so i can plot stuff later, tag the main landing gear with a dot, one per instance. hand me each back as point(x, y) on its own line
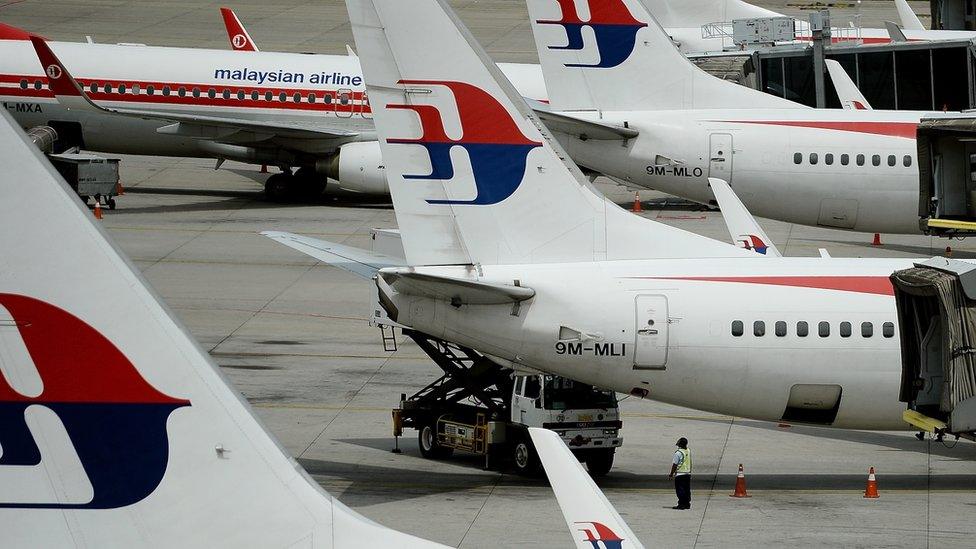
point(304, 186)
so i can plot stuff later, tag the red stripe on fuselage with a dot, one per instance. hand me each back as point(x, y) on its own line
point(892, 129)
point(879, 285)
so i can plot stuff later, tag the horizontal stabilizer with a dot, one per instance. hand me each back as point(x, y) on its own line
point(455, 290)
point(579, 128)
point(895, 32)
point(591, 518)
point(743, 228)
point(358, 261)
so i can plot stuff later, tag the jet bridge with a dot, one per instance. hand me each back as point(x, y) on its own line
point(936, 303)
point(947, 176)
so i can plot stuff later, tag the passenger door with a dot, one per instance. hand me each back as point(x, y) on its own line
point(720, 156)
point(651, 343)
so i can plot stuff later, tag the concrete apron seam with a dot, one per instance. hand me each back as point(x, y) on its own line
point(711, 489)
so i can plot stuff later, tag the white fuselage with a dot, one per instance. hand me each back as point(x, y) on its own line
point(259, 86)
point(696, 360)
point(844, 169)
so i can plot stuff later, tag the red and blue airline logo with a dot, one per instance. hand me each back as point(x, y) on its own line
point(614, 29)
point(114, 419)
point(752, 242)
point(496, 147)
point(601, 536)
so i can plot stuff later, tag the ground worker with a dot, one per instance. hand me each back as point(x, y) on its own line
point(681, 473)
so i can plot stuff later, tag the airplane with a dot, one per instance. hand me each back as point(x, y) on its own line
point(126, 434)
point(684, 21)
point(848, 169)
point(508, 250)
point(295, 111)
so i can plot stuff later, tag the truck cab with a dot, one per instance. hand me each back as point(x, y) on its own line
point(586, 418)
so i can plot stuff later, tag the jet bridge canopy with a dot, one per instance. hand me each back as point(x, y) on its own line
point(936, 303)
point(947, 175)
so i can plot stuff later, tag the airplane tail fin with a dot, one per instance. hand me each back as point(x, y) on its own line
point(909, 21)
point(591, 518)
point(850, 96)
point(475, 176)
point(117, 429)
point(618, 58)
point(10, 32)
point(240, 40)
point(695, 13)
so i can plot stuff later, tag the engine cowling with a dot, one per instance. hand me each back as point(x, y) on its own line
point(359, 168)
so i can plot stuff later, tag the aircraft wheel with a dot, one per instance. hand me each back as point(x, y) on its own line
point(308, 184)
point(429, 448)
point(599, 462)
point(277, 187)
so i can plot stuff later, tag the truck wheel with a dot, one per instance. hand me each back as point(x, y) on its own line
point(599, 462)
point(524, 458)
point(429, 448)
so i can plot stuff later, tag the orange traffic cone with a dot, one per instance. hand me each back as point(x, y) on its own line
point(637, 204)
point(872, 488)
point(740, 485)
point(948, 251)
point(877, 240)
point(119, 189)
point(98, 209)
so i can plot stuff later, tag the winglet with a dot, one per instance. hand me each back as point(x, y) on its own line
point(909, 21)
point(240, 40)
point(65, 88)
point(743, 228)
point(590, 517)
point(850, 97)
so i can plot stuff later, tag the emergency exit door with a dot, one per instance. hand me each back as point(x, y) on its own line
point(720, 156)
point(651, 344)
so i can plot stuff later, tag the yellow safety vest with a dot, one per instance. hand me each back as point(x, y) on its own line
point(685, 465)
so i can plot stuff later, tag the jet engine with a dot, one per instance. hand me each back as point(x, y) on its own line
point(358, 167)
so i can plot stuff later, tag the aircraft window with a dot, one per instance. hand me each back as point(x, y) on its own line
point(797, 158)
point(108, 88)
point(892, 160)
point(860, 160)
point(165, 90)
point(181, 92)
point(92, 88)
point(888, 329)
point(121, 88)
point(802, 328)
point(813, 158)
point(282, 96)
point(23, 84)
point(907, 161)
point(296, 97)
point(759, 328)
point(824, 329)
point(328, 100)
point(867, 329)
point(875, 159)
point(254, 95)
point(311, 98)
point(211, 93)
point(828, 159)
point(845, 329)
point(268, 96)
point(38, 85)
point(225, 94)
point(344, 98)
point(780, 328)
point(150, 90)
point(845, 159)
point(196, 92)
point(135, 89)
point(737, 328)
point(240, 95)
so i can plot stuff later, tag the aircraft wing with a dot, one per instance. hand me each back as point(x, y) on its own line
point(744, 229)
point(850, 97)
point(469, 292)
point(577, 127)
point(70, 94)
point(358, 261)
point(590, 517)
